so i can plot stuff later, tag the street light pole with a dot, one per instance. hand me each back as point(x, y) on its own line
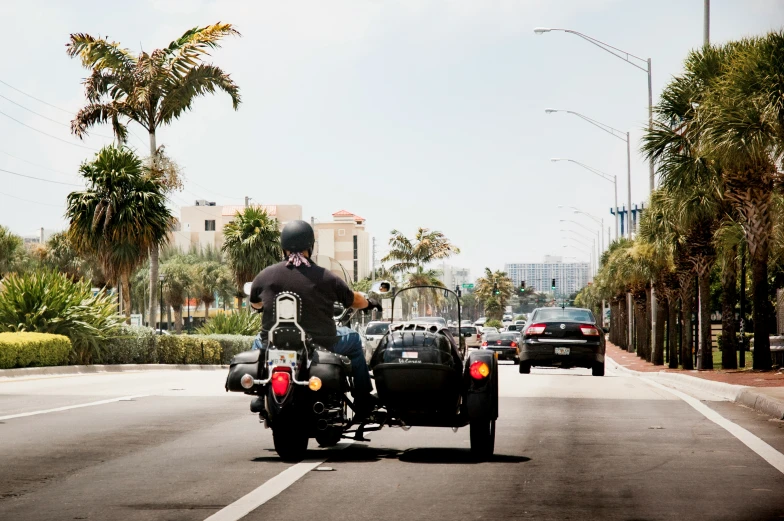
point(623, 136)
point(627, 57)
point(161, 278)
point(607, 177)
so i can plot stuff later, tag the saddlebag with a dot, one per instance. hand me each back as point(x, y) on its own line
point(242, 364)
point(416, 373)
point(331, 368)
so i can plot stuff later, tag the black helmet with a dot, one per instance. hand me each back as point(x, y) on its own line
point(297, 236)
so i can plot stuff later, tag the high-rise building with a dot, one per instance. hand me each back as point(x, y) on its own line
point(453, 276)
point(570, 277)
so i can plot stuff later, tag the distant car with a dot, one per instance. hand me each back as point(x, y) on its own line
point(563, 337)
point(472, 335)
point(487, 330)
point(480, 321)
point(519, 322)
point(514, 327)
point(506, 345)
point(440, 321)
point(373, 333)
point(466, 323)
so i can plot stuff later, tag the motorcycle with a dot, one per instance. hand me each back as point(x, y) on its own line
point(422, 377)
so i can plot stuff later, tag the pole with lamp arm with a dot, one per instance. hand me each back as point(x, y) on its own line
point(644, 64)
point(607, 177)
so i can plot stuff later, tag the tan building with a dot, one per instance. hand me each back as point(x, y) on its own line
point(202, 225)
point(346, 241)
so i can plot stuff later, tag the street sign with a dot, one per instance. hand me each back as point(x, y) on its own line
point(467, 286)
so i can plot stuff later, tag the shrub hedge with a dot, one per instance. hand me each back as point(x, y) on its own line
point(232, 344)
point(188, 349)
point(33, 349)
point(132, 345)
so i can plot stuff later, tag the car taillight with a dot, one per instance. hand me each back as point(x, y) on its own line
point(479, 336)
point(479, 370)
point(484, 344)
point(535, 329)
point(513, 344)
point(280, 381)
point(589, 331)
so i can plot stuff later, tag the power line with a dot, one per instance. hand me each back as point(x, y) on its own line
point(36, 164)
point(45, 134)
point(30, 201)
point(212, 193)
point(33, 97)
point(40, 178)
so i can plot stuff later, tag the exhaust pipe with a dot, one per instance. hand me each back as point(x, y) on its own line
point(318, 407)
point(322, 424)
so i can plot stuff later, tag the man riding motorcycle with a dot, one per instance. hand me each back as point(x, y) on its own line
point(319, 290)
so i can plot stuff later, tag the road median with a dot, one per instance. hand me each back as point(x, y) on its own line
point(65, 370)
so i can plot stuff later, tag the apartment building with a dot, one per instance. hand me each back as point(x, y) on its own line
point(453, 276)
point(346, 242)
point(201, 225)
point(570, 277)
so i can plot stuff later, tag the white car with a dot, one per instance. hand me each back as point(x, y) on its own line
point(373, 333)
point(486, 330)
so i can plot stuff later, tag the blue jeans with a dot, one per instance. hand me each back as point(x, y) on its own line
point(350, 345)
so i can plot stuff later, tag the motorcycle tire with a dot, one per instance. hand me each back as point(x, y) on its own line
point(329, 437)
point(291, 441)
point(482, 439)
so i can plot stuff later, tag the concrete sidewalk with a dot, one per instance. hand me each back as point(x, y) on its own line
point(93, 369)
point(767, 400)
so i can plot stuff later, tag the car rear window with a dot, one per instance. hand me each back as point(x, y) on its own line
point(377, 329)
point(467, 330)
point(509, 336)
point(572, 315)
point(492, 336)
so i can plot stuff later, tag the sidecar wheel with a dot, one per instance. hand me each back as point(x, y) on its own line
point(482, 439)
point(291, 443)
point(329, 437)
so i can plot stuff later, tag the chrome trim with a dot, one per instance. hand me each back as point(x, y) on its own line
point(560, 341)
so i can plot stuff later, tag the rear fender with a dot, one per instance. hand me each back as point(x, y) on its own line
point(332, 369)
point(482, 395)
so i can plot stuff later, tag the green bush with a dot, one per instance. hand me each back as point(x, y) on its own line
point(188, 349)
point(241, 323)
point(50, 302)
point(36, 349)
point(132, 345)
point(494, 323)
point(232, 344)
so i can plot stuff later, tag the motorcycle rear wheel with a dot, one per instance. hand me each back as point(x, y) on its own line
point(291, 442)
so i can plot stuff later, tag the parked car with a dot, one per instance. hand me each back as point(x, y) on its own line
point(373, 333)
point(506, 345)
point(563, 337)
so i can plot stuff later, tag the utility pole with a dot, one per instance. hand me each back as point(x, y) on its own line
point(247, 199)
point(706, 24)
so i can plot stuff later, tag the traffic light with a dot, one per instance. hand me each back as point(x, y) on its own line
point(495, 289)
point(522, 287)
point(553, 285)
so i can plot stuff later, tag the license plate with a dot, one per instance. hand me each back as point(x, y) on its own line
point(562, 350)
point(277, 357)
point(410, 354)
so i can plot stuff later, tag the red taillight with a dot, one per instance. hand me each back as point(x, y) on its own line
point(535, 329)
point(479, 336)
point(513, 344)
point(589, 331)
point(280, 381)
point(484, 344)
point(479, 370)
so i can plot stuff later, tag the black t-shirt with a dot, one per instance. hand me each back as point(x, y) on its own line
point(318, 290)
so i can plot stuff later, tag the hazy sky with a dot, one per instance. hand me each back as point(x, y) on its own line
point(409, 113)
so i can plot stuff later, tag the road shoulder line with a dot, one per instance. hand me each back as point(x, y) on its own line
point(756, 444)
point(270, 488)
point(69, 407)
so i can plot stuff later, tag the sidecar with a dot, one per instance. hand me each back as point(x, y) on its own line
point(423, 379)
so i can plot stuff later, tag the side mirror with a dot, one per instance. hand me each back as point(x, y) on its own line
point(381, 287)
point(246, 288)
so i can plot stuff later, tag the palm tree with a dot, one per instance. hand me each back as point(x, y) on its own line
point(10, 247)
point(151, 89)
point(210, 277)
point(427, 247)
point(494, 289)
point(251, 242)
point(119, 215)
point(178, 280)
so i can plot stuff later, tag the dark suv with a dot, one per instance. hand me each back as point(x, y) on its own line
point(563, 337)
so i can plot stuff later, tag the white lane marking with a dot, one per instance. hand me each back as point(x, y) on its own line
point(271, 488)
point(69, 407)
point(762, 449)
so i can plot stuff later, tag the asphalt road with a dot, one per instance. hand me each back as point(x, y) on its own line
point(172, 445)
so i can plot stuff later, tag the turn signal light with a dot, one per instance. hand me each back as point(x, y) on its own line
point(535, 329)
point(514, 344)
point(589, 331)
point(314, 384)
point(484, 344)
point(246, 381)
point(280, 383)
point(479, 370)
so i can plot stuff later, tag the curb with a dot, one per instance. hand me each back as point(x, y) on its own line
point(96, 369)
point(740, 394)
